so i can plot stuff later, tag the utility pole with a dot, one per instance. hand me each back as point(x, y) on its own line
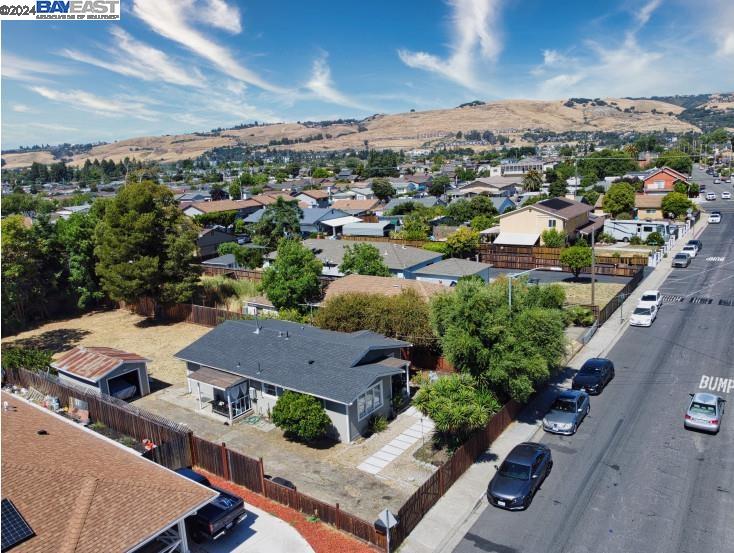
point(593, 267)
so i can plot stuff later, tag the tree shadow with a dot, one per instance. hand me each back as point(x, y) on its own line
point(541, 401)
point(53, 340)
point(153, 323)
point(323, 443)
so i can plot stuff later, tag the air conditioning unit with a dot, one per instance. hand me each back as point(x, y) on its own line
point(253, 394)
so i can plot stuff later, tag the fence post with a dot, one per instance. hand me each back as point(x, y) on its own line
point(261, 467)
point(440, 481)
point(192, 449)
point(337, 516)
point(225, 461)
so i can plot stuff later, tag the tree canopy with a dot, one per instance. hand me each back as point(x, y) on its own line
point(675, 159)
point(300, 416)
point(577, 258)
point(281, 219)
point(382, 189)
point(620, 198)
point(292, 280)
point(676, 203)
point(464, 242)
point(363, 259)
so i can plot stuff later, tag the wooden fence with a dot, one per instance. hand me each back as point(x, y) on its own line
point(426, 360)
point(237, 274)
point(531, 257)
point(606, 312)
point(170, 437)
point(414, 243)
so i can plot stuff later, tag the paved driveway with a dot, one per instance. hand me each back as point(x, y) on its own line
point(261, 532)
point(632, 478)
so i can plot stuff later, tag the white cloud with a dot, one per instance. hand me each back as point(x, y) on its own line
point(133, 58)
point(643, 14)
point(168, 18)
point(322, 87)
point(27, 70)
point(223, 16)
point(21, 108)
point(475, 28)
point(105, 106)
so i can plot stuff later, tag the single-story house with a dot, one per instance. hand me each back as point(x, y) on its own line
point(524, 226)
point(107, 370)
point(243, 366)
point(381, 228)
point(649, 206)
point(314, 198)
point(242, 207)
point(363, 194)
point(401, 260)
point(386, 286)
point(488, 186)
point(68, 211)
point(502, 203)
point(344, 195)
point(525, 165)
point(227, 261)
point(356, 207)
point(193, 196)
point(259, 306)
point(426, 201)
point(68, 488)
point(337, 225)
point(209, 240)
point(448, 271)
point(313, 219)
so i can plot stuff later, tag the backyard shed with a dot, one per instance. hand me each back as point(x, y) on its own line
point(108, 370)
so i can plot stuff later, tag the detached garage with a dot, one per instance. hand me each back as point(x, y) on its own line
point(110, 371)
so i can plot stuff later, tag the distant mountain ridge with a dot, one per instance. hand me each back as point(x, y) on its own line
point(419, 129)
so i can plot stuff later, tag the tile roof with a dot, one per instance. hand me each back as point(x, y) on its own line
point(453, 267)
point(316, 194)
point(93, 363)
point(82, 493)
point(396, 257)
point(355, 205)
point(322, 363)
point(224, 205)
point(387, 286)
point(649, 201)
point(271, 197)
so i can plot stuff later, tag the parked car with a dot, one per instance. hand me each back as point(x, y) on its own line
point(715, 218)
point(704, 412)
point(651, 297)
point(643, 315)
point(690, 250)
point(726, 195)
point(717, 181)
point(710, 196)
point(681, 260)
point(593, 376)
point(519, 476)
point(567, 412)
point(697, 243)
point(217, 517)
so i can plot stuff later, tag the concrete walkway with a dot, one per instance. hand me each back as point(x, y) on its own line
point(450, 519)
point(418, 430)
point(262, 533)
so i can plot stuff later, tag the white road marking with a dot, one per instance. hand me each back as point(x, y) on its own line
point(714, 259)
point(716, 384)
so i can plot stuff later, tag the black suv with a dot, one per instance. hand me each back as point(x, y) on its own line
point(519, 477)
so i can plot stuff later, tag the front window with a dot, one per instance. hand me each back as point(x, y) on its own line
point(370, 401)
point(641, 311)
point(515, 470)
point(269, 390)
point(552, 223)
point(565, 406)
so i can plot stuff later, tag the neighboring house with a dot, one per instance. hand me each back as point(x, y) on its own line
point(246, 365)
point(226, 261)
point(345, 174)
point(363, 194)
point(385, 286)
point(242, 207)
point(192, 197)
point(502, 203)
point(448, 271)
point(525, 165)
point(259, 306)
point(662, 181)
point(403, 187)
point(107, 370)
point(487, 186)
point(381, 228)
point(427, 201)
point(209, 240)
point(344, 195)
point(402, 261)
point(649, 206)
point(356, 207)
point(314, 198)
point(66, 212)
point(79, 491)
point(524, 226)
point(313, 219)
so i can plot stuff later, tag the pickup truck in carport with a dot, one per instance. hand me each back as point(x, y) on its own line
point(217, 517)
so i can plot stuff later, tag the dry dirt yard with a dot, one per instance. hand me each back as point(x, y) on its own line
point(123, 330)
point(580, 292)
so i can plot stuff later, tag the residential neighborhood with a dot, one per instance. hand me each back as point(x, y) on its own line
point(273, 283)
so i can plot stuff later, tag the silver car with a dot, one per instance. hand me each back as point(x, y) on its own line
point(704, 412)
point(567, 412)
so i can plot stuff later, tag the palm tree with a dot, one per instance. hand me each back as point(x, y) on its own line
point(532, 181)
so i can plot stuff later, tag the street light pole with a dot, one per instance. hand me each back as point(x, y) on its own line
point(593, 267)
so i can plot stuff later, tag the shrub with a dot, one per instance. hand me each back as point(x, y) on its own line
point(438, 247)
point(553, 238)
point(606, 238)
point(579, 316)
point(577, 258)
point(31, 359)
point(655, 239)
point(636, 241)
point(378, 423)
point(300, 416)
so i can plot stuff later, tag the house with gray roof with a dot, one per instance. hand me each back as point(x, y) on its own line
point(312, 219)
point(243, 366)
point(402, 261)
point(426, 201)
point(449, 271)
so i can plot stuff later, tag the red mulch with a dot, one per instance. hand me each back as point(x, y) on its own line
point(322, 537)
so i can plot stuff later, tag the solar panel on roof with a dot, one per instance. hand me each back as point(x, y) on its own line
point(14, 527)
point(556, 203)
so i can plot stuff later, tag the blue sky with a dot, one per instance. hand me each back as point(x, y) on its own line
point(174, 66)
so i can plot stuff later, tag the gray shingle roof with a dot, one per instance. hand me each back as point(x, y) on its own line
point(427, 201)
point(318, 362)
point(396, 257)
point(453, 267)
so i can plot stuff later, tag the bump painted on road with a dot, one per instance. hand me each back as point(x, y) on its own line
point(714, 259)
point(672, 298)
point(716, 384)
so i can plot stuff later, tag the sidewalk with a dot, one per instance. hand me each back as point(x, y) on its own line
point(450, 519)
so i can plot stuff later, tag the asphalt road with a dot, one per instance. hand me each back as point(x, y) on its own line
point(633, 479)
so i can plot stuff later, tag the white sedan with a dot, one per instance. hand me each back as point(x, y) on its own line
point(726, 195)
point(690, 249)
point(643, 315)
point(714, 218)
point(651, 297)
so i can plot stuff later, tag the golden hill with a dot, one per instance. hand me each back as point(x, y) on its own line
point(402, 130)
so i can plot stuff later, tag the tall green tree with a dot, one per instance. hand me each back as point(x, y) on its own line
point(532, 181)
point(577, 258)
point(620, 198)
point(382, 189)
point(676, 203)
point(235, 190)
point(439, 185)
point(292, 280)
point(464, 242)
point(675, 159)
point(145, 246)
point(363, 259)
point(281, 219)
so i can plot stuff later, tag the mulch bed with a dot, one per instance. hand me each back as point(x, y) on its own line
point(322, 537)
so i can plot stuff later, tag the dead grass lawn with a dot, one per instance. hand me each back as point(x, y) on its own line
point(580, 292)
